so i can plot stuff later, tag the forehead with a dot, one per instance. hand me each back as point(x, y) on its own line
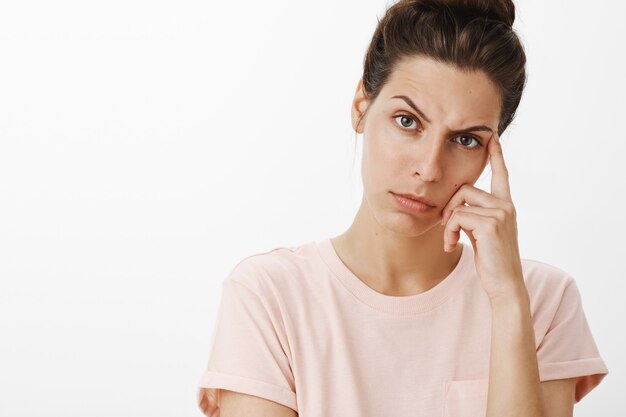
point(442, 90)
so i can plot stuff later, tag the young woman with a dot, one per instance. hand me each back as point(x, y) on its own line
point(396, 317)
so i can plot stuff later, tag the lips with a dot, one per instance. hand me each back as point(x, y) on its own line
point(416, 198)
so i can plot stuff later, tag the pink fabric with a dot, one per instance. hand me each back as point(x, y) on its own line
point(297, 327)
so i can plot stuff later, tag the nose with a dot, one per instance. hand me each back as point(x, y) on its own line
point(429, 161)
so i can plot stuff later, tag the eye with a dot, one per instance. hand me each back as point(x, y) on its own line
point(406, 119)
point(478, 143)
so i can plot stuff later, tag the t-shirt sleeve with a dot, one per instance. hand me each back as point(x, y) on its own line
point(248, 351)
point(568, 349)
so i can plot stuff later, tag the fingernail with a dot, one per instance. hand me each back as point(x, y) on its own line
point(497, 137)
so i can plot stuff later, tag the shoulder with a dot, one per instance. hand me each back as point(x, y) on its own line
point(542, 276)
point(548, 286)
point(267, 272)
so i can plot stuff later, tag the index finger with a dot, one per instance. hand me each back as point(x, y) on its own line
point(499, 173)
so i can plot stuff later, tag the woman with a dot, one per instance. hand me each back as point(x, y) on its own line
point(396, 316)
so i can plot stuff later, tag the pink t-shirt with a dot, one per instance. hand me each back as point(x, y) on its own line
point(297, 327)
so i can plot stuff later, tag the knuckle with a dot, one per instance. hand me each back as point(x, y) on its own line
point(491, 224)
point(509, 209)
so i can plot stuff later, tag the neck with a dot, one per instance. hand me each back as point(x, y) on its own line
point(393, 263)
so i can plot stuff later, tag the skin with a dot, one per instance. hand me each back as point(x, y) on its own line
point(393, 251)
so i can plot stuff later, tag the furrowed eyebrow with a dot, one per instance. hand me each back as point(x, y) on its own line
point(423, 116)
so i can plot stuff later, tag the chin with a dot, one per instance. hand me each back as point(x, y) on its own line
point(404, 224)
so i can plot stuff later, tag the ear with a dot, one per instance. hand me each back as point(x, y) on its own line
point(359, 105)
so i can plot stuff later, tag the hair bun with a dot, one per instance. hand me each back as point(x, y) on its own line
point(501, 10)
point(498, 10)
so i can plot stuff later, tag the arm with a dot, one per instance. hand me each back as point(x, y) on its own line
point(234, 404)
point(514, 386)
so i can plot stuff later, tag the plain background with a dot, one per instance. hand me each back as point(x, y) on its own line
point(146, 147)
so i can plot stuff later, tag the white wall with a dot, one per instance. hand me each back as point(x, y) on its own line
point(146, 146)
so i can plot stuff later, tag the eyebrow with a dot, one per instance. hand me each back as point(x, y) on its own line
point(423, 116)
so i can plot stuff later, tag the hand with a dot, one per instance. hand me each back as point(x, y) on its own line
point(490, 223)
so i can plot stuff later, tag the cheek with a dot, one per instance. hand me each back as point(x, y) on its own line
point(380, 148)
point(380, 165)
point(390, 149)
point(475, 171)
point(464, 174)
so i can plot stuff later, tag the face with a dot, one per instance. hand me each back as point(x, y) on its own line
point(429, 154)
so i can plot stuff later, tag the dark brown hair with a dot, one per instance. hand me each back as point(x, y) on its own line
point(467, 34)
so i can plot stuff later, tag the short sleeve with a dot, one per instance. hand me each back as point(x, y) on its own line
point(568, 349)
point(248, 351)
